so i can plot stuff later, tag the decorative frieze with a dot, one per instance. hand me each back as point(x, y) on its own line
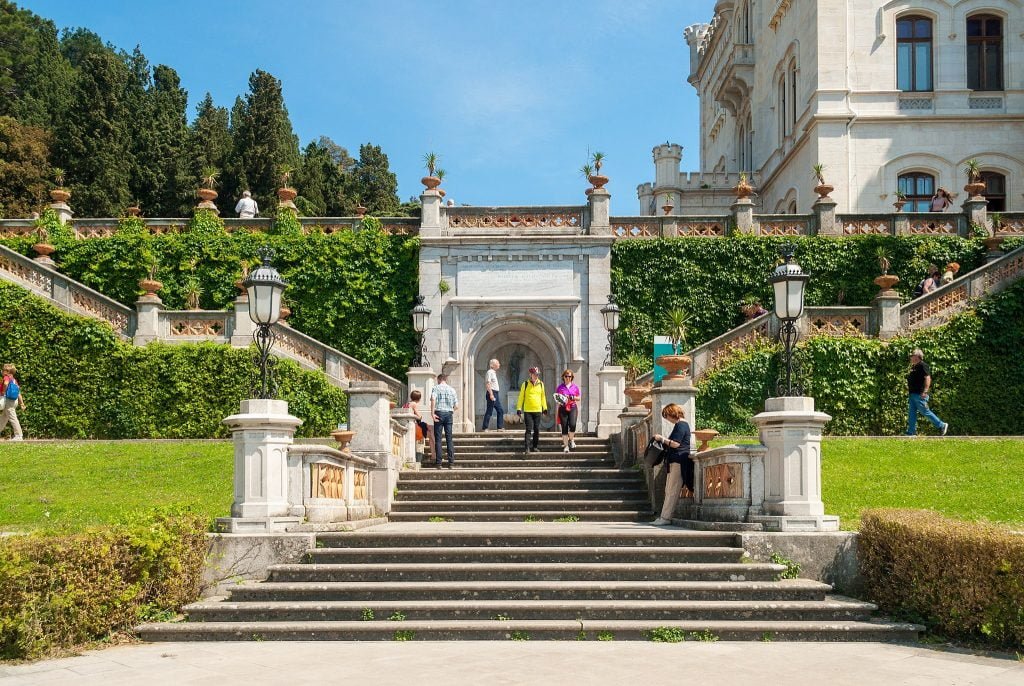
point(991, 103)
point(359, 483)
point(525, 219)
point(641, 228)
point(710, 229)
point(931, 227)
point(839, 325)
point(867, 227)
point(783, 228)
point(916, 103)
point(287, 340)
point(204, 327)
point(327, 481)
point(779, 14)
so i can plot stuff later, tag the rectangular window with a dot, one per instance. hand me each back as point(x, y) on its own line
point(985, 53)
point(914, 54)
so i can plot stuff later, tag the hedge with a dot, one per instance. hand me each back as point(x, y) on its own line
point(977, 378)
point(961, 579)
point(63, 590)
point(81, 381)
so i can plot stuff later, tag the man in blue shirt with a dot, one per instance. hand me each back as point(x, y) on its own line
point(443, 402)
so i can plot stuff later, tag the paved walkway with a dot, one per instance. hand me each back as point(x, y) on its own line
point(494, 664)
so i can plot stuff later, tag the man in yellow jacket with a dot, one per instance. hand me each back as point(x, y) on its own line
point(533, 402)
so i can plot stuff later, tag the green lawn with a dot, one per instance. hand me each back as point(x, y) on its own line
point(78, 483)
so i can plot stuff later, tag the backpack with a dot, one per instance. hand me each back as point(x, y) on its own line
point(13, 390)
point(919, 289)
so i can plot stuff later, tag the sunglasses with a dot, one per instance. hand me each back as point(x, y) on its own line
point(567, 376)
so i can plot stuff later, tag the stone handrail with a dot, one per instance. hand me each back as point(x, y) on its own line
point(866, 224)
point(935, 223)
point(938, 306)
point(85, 228)
point(840, 321)
point(570, 219)
point(784, 224)
point(67, 294)
point(196, 325)
point(1011, 223)
point(328, 485)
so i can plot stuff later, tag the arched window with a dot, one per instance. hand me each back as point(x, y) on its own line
point(783, 115)
point(918, 187)
point(914, 53)
point(985, 53)
point(792, 96)
point(995, 190)
point(792, 207)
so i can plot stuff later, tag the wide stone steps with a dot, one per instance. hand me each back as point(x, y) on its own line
point(568, 494)
point(515, 554)
point(483, 483)
point(533, 461)
point(546, 535)
point(579, 514)
point(523, 475)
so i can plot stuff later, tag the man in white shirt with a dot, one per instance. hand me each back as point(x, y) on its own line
point(247, 207)
point(493, 396)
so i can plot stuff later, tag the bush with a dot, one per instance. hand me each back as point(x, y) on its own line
point(81, 381)
point(63, 590)
point(962, 579)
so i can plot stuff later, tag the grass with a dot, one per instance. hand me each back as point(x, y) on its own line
point(73, 484)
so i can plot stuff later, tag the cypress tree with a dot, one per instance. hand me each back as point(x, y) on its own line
point(162, 182)
point(374, 183)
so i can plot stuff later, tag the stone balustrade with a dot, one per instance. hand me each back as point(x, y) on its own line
point(86, 228)
point(569, 219)
point(328, 485)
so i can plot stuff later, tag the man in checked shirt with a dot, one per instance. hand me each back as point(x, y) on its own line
point(443, 402)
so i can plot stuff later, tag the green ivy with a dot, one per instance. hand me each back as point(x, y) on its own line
point(81, 381)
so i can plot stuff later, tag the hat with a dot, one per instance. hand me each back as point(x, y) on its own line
point(534, 370)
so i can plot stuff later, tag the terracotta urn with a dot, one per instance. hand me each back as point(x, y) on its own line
point(60, 195)
point(994, 242)
point(705, 436)
point(743, 190)
point(431, 182)
point(886, 282)
point(648, 403)
point(675, 365)
point(392, 404)
point(599, 180)
point(343, 437)
point(207, 194)
point(284, 314)
point(43, 249)
point(442, 192)
point(636, 394)
point(667, 209)
point(975, 188)
point(899, 205)
point(151, 286)
point(588, 191)
point(133, 211)
point(360, 211)
point(287, 194)
point(750, 311)
point(242, 293)
point(823, 189)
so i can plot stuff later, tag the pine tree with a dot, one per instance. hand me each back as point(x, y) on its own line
point(374, 183)
point(24, 168)
point(162, 181)
point(322, 180)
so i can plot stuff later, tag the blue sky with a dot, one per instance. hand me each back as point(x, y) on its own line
point(510, 95)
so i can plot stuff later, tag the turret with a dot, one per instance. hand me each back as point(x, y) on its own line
point(694, 35)
point(667, 157)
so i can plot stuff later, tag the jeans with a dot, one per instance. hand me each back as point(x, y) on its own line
point(494, 406)
point(532, 422)
point(444, 421)
point(919, 404)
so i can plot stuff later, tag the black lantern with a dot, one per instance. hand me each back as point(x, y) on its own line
point(610, 312)
point(420, 316)
point(789, 282)
point(264, 287)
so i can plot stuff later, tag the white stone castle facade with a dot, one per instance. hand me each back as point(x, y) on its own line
point(887, 94)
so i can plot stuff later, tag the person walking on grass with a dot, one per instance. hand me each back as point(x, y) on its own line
point(568, 396)
point(919, 383)
point(677, 461)
point(493, 396)
point(532, 402)
point(443, 402)
point(11, 399)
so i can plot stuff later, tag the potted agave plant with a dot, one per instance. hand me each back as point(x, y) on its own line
point(667, 207)
point(822, 189)
point(676, 364)
point(430, 181)
point(42, 248)
point(975, 187)
point(994, 241)
point(286, 194)
point(635, 364)
point(149, 284)
point(59, 194)
point(441, 173)
point(206, 190)
point(886, 281)
point(193, 293)
point(743, 189)
point(597, 178)
point(901, 200)
point(586, 171)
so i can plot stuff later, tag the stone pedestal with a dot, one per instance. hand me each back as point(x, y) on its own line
point(612, 382)
point(148, 327)
point(422, 379)
point(262, 431)
point(408, 441)
point(680, 391)
point(241, 335)
point(63, 211)
point(790, 429)
point(887, 308)
point(600, 219)
point(628, 450)
point(825, 213)
point(743, 215)
point(430, 215)
point(370, 417)
point(901, 224)
point(976, 210)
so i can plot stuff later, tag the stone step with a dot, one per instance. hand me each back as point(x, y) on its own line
point(496, 630)
point(517, 440)
point(526, 515)
point(534, 461)
point(510, 554)
point(633, 492)
point(484, 484)
point(368, 591)
point(486, 454)
point(646, 537)
point(426, 610)
point(556, 571)
point(525, 474)
point(522, 505)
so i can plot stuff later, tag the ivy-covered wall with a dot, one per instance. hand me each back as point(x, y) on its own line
point(81, 381)
point(977, 377)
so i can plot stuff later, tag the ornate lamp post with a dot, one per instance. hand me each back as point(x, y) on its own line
point(420, 315)
point(264, 287)
point(789, 281)
point(610, 312)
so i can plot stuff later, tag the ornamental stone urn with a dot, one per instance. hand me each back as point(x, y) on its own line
point(886, 282)
point(150, 286)
point(823, 189)
point(705, 436)
point(287, 194)
point(207, 194)
point(899, 205)
point(133, 211)
point(284, 313)
point(994, 242)
point(676, 366)
point(636, 394)
point(599, 180)
point(44, 250)
point(60, 195)
point(360, 211)
point(743, 189)
point(431, 182)
point(344, 438)
point(667, 209)
point(975, 189)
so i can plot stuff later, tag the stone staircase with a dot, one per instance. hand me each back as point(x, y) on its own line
point(489, 569)
point(494, 480)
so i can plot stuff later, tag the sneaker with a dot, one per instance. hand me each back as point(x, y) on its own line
point(945, 428)
point(661, 522)
point(572, 445)
point(565, 449)
point(16, 438)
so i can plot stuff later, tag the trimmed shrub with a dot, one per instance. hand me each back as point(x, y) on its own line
point(81, 381)
point(961, 579)
point(63, 590)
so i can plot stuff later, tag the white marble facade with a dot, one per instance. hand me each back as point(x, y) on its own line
point(785, 84)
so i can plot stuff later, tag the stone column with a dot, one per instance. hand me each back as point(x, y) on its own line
point(901, 224)
point(825, 211)
point(600, 208)
point(370, 417)
point(791, 431)
point(743, 215)
point(612, 399)
point(430, 215)
point(680, 391)
point(887, 310)
point(262, 432)
point(408, 420)
point(241, 334)
point(147, 329)
point(976, 210)
point(626, 456)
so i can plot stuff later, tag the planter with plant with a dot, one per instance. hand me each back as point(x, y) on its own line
point(42, 248)
point(441, 173)
point(743, 189)
point(886, 281)
point(286, 194)
point(193, 293)
point(635, 364)
point(901, 200)
point(597, 178)
point(586, 171)
point(206, 190)
point(750, 306)
point(667, 207)
point(133, 210)
point(59, 194)
point(344, 438)
point(975, 186)
point(284, 313)
point(676, 365)
point(994, 240)
point(149, 284)
point(431, 181)
point(822, 189)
